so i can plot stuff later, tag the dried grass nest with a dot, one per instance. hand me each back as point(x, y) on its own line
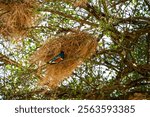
point(16, 16)
point(77, 46)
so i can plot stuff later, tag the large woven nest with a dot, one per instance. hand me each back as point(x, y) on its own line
point(16, 16)
point(77, 46)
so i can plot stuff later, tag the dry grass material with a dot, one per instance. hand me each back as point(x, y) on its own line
point(77, 3)
point(16, 16)
point(77, 46)
point(139, 96)
point(80, 3)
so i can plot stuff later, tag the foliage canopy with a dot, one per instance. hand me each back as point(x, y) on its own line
point(120, 69)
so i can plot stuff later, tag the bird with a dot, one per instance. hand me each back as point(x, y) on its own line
point(57, 59)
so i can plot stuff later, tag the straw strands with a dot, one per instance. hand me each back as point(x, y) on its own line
point(77, 3)
point(77, 46)
point(16, 16)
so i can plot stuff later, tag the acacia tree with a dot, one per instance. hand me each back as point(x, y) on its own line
point(120, 69)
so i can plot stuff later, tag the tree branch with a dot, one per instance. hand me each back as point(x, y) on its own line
point(134, 20)
point(70, 17)
point(147, 3)
point(6, 60)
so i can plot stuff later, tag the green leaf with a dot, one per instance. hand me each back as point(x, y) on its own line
point(134, 1)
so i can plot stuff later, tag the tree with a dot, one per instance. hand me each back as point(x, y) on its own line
point(120, 69)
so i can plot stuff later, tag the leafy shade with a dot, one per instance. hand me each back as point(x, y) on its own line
point(120, 68)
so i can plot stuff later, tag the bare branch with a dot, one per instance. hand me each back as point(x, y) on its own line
point(70, 17)
point(6, 60)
